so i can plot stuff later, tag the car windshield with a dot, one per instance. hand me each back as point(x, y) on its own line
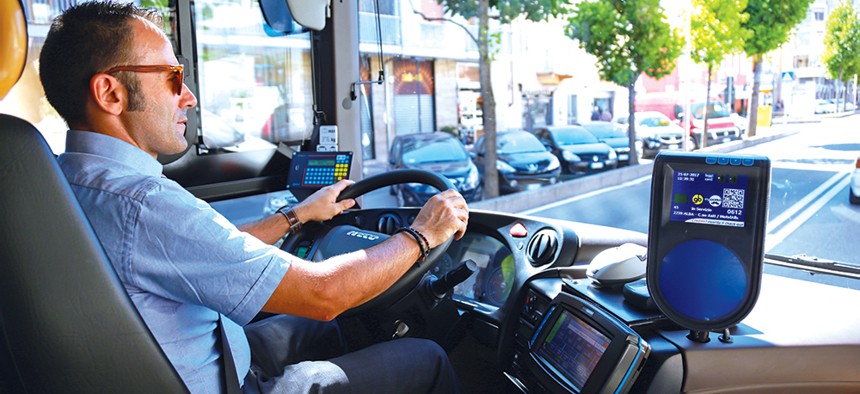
point(652, 120)
point(715, 110)
point(518, 142)
point(573, 136)
point(417, 151)
point(604, 130)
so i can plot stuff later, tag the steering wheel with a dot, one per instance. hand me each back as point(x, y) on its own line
point(327, 240)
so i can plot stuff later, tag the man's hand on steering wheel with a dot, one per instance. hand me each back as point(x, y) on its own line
point(445, 214)
point(322, 205)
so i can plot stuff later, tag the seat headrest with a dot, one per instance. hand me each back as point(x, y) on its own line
point(13, 44)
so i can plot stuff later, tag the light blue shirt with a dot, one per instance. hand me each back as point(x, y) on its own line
point(181, 262)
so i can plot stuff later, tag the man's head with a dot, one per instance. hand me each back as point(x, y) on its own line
point(107, 67)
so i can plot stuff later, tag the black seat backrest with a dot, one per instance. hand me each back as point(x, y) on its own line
point(66, 323)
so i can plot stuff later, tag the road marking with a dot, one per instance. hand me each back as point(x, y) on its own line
point(774, 239)
point(584, 196)
point(788, 213)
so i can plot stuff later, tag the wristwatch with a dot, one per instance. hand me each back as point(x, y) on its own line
point(292, 219)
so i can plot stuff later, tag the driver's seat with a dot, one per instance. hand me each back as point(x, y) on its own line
point(66, 323)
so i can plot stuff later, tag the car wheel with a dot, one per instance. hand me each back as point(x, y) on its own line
point(854, 200)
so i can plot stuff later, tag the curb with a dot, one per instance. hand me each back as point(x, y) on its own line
point(526, 200)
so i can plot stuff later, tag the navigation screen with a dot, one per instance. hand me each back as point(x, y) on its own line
point(708, 198)
point(573, 348)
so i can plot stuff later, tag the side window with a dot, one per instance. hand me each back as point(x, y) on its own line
point(395, 152)
point(544, 138)
point(480, 145)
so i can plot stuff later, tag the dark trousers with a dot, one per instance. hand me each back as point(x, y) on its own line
point(296, 355)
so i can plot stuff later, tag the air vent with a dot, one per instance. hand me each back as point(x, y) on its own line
point(388, 223)
point(542, 247)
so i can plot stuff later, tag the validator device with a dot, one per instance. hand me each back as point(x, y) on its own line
point(706, 236)
point(311, 171)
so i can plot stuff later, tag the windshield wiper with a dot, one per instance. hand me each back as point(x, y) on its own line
point(817, 264)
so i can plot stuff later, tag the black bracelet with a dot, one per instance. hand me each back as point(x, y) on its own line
point(426, 243)
point(418, 239)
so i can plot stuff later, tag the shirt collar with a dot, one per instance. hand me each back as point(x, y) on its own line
point(112, 148)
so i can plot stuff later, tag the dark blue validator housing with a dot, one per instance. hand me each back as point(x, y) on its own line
point(706, 236)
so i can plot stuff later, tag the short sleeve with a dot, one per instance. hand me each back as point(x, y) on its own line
point(184, 250)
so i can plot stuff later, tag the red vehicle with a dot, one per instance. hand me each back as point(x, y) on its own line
point(721, 125)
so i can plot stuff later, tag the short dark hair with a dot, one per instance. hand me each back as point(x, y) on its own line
point(86, 39)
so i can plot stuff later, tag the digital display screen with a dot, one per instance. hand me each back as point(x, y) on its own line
point(710, 198)
point(314, 170)
point(321, 163)
point(573, 348)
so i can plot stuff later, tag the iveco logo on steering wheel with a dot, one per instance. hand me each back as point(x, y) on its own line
point(359, 234)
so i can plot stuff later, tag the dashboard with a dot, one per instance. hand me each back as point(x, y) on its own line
point(554, 330)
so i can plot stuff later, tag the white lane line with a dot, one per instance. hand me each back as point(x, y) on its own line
point(586, 195)
point(772, 240)
point(788, 213)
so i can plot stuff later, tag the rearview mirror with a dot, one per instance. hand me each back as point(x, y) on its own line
point(279, 19)
point(310, 13)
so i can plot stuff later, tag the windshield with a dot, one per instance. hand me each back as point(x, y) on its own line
point(652, 120)
point(518, 142)
point(715, 110)
point(604, 130)
point(573, 136)
point(258, 94)
point(417, 151)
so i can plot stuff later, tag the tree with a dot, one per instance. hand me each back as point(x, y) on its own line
point(770, 22)
point(505, 11)
point(715, 31)
point(628, 38)
point(842, 45)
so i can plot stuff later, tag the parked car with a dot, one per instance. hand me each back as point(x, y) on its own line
point(438, 152)
point(609, 134)
point(823, 106)
point(655, 132)
point(578, 149)
point(721, 126)
point(523, 162)
point(839, 105)
point(854, 190)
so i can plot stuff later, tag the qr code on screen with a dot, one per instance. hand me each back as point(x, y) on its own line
point(733, 198)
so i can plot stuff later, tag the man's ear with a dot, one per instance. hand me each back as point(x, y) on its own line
point(108, 93)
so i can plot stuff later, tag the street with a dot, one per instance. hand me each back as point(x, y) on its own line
point(809, 210)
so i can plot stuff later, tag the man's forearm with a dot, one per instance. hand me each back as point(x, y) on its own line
point(269, 230)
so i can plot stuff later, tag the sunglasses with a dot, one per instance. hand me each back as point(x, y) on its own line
point(176, 77)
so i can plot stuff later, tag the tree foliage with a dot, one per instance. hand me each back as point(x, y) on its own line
point(628, 38)
point(769, 23)
point(505, 11)
point(842, 43)
point(715, 29)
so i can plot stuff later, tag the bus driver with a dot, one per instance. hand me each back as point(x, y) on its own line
point(111, 73)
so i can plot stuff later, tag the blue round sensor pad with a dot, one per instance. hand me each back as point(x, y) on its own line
point(703, 280)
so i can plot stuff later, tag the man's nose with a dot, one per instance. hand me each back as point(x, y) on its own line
point(188, 100)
